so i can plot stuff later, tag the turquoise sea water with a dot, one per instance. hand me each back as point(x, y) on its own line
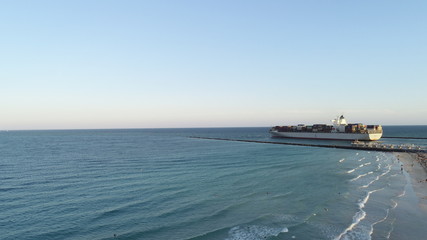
point(160, 184)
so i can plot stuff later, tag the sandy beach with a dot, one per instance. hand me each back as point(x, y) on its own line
point(415, 164)
point(411, 213)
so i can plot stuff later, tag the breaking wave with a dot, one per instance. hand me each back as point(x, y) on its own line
point(359, 216)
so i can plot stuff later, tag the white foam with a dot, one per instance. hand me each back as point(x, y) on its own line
point(359, 216)
point(354, 169)
point(365, 200)
point(254, 232)
point(377, 178)
point(379, 221)
point(360, 166)
point(392, 229)
point(402, 194)
point(361, 159)
point(394, 204)
point(341, 160)
point(362, 175)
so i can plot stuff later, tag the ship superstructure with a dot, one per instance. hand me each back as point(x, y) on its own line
point(339, 130)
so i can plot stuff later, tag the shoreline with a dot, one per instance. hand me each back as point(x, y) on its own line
point(415, 164)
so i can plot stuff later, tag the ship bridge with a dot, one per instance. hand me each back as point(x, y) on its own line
point(339, 124)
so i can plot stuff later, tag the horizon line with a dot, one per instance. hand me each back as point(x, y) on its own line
point(144, 128)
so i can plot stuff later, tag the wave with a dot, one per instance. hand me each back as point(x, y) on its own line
point(278, 196)
point(361, 175)
point(360, 166)
point(359, 216)
point(402, 194)
point(379, 221)
point(377, 177)
point(394, 204)
point(354, 169)
point(264, 227)
point(208, 217)
point(205, 216)
point(341, 160)
point(391, 229)
point(254, 232)
point(7, 189)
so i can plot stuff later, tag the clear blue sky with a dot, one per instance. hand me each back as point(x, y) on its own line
point(142, 64)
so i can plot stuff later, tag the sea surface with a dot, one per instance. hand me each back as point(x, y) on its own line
point(161, 184)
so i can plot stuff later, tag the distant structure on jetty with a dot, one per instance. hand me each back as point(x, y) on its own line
point(340, 130)
point(388, 147)
point(355, 145)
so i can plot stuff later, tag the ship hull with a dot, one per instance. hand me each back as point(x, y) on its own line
point(328, 136)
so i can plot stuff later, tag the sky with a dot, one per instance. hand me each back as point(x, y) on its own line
point(165, 64)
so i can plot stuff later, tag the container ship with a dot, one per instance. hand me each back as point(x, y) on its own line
point(339, 130)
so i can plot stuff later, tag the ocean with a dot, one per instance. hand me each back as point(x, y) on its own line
point(161, 184)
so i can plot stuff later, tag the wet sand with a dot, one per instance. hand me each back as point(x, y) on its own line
point(415, 164)
point(411, 212)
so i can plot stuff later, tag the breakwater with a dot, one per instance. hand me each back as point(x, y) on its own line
point(407, 137)
point(366, 148)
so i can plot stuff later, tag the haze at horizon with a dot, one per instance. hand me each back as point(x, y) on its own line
point(141, 64)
